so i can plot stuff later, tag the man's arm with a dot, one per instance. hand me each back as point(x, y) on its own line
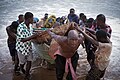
point(87, 36)
point(58, 38)
point(29, 38)
point(90, 30)
point(9, 32)
point(92, 35)
point(21, 36)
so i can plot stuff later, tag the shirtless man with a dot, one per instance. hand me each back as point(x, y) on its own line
point(67, 57)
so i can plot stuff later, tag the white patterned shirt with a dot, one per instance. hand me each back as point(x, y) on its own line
point(23, 32)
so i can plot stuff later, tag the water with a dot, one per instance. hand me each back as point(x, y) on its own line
point(10, 9)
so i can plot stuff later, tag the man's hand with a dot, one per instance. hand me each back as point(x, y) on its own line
point(74, 25)
point(78, 28)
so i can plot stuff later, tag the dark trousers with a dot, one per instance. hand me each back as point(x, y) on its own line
point(90, 52)
point(60, 66)
point(12, 50)
point(13, 53)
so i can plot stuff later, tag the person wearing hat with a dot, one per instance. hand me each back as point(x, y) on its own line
point(11, 41)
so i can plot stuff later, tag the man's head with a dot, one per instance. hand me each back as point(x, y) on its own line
point(46, 15)
point(29, 17)
point(73, 37)
point(21, 18)
point(84, 18)
point(80, 15)
point(89, 22)
point(100, 19)
point(72, 34)
point(101, 36)
point(72, 11)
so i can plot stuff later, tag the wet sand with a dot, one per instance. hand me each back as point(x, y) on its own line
point(37, 73)
point(10, 9)
point(40, 73)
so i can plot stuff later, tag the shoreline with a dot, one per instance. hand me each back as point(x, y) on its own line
point(40, 73)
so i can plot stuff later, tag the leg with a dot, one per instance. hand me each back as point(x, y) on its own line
point(12, 50)
point(16, 62)
point(22, 68)
point(22, 61)
point(28, 67)
point(60, 66)
point(74, 61)
point(29, 59)
point(91, 58)
point(90, 53)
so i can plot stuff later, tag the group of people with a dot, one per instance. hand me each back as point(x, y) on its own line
point(93, 34)
point(20, 46)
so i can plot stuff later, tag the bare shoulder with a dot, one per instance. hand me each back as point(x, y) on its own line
point(62, 39)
